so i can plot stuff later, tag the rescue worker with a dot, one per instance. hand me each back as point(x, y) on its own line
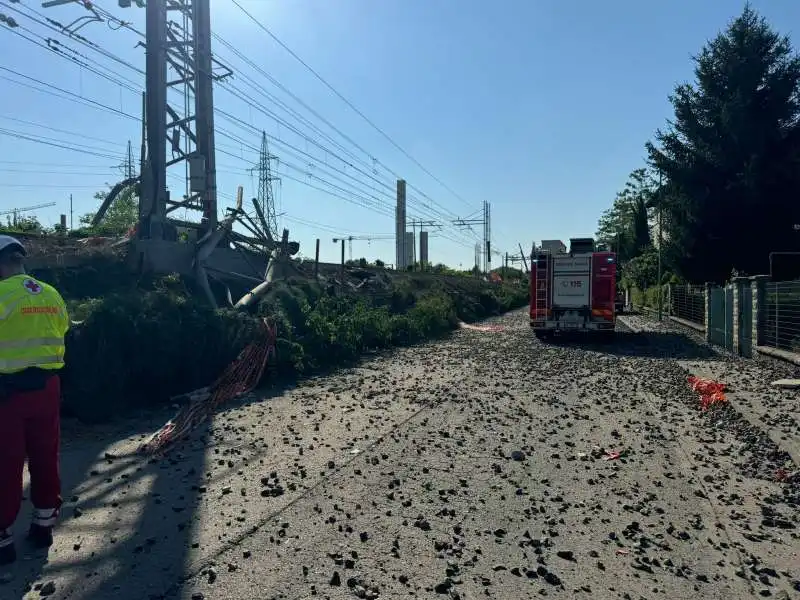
point(33, 323)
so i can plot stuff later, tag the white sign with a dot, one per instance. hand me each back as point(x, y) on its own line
point(572, 264)
point(571, 291)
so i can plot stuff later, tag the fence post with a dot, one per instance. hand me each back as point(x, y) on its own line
point(669, 300)
point(759, 286)
point(738, 285)
point(707, 310)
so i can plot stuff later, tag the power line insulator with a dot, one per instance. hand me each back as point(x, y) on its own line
point(8, 21)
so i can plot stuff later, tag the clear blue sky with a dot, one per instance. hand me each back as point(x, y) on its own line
point(540, 107)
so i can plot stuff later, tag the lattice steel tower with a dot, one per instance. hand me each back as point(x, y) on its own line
point(266, 197)
point(179, 58)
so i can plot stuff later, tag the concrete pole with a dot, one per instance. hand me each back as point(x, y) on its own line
point(316, 261)
point(342, 268)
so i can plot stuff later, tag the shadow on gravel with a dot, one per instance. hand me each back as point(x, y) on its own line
point(139, 522)
point(673, 345)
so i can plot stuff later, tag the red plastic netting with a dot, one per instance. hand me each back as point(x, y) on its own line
point(711, 392)
point(241, 376)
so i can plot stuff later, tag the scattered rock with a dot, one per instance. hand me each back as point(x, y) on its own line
point(443, 587)
point(48, 589)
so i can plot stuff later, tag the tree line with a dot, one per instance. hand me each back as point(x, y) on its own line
point(118, 219)
point(720, 188)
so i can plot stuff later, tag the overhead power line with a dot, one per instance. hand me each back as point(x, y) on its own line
point(106, 173)
point(62, 93)
point(325, 82)
point(441, 212)
point(80, 148)
point(354, 189)
point(59, 28)
point(80, 135)
point(243, 97)
point(55, 186)
point(53, 164)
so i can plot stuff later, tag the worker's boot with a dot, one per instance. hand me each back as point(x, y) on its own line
point(41, 531)
point(40, 537)
point(8, 553)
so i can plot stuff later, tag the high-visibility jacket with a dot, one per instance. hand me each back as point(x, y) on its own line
point(33, 323)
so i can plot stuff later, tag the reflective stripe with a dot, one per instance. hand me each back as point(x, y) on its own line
point(31, 333)
point(9, 308)
point(44, 362)
point(32, 342)
point(6, 538)
point(45, 517)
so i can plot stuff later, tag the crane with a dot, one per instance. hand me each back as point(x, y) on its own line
point(16, 211)
point(368, 238)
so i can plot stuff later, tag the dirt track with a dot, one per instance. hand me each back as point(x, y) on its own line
point(466, 468)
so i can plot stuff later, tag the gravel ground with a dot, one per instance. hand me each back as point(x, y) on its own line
point(466, 468)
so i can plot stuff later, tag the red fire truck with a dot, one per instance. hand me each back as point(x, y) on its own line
point(572, 291)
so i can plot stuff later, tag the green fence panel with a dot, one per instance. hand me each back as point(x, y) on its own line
point(717, 316)
point(746, 321)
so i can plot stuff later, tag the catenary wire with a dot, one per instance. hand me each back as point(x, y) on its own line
point(99, 105)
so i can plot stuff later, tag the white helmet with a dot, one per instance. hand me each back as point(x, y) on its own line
point(6, 241)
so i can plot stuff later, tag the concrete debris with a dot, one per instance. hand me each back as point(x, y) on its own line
point(483, 471)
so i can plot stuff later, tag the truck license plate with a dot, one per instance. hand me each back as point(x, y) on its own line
point(568, 325)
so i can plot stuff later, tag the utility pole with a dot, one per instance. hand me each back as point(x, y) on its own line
point(143, 146)
point(400, 226)
point(70, 212)
point(522, 255)
point(660, 243)
point(342, 265)
point(349, 240)
point(316, 261)
point(486, 246)
point(487, 233)
point(178, 55)
point(129, 172)
point(419, 223)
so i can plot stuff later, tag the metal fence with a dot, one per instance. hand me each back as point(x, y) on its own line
point(688, 302)
point(728, 314)
point(781, 325)
point(719, 328)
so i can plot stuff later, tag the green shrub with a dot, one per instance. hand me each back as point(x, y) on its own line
point(137, 349)
point(404, 330)
point(648, 297)
point(434, 315)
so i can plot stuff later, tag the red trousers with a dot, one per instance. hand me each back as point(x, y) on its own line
point(30, 426)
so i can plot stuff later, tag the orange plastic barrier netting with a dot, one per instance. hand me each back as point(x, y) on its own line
point(241, 376)
point(710, 392)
